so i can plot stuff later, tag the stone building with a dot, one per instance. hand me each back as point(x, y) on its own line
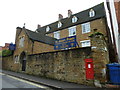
point(83, 50)
point(81, 25)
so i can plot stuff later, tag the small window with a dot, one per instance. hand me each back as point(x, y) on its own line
point(47, 28)
point(86, 27)
point(16, 59)
point(57, 34)
point(91, 13)
point(59, 24)
point(85, 43)
point(21, 41)
point(72, 31)
point(74, 19)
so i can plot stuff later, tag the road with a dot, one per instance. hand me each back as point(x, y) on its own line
point(13, 82)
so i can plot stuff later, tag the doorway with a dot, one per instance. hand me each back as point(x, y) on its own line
point(23, 60)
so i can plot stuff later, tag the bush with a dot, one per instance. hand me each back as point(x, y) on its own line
point(7, 52)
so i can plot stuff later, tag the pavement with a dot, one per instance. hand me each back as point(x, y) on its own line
point(56, 84)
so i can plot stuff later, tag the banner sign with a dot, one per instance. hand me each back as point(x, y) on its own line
point(12, 46)
point(65, 43)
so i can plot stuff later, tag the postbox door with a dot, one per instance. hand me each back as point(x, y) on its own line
point(89, 69)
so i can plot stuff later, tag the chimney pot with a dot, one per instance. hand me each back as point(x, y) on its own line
point(60, 16)
point(69, 13)
point(38, 26)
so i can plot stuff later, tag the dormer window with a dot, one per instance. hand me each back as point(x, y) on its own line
point(74, 19)
point(59, 24)
point(91, 13)
point(47, 28)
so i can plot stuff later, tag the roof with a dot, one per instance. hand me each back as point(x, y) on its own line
point(39, 37)
point(82, 18)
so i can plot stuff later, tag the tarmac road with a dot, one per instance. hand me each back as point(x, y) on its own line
point(13, 82)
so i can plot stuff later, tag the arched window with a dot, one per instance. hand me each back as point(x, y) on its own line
point(47, 28)
point(21, 41)
point(59, 24)
point(74, 19)
point(91, 13)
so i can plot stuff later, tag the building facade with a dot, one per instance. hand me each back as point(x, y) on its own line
point(73, 49)
point(6, 47)
point(81, 25)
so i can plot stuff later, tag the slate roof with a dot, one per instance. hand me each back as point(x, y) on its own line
point(82, 18)
point(39, 37)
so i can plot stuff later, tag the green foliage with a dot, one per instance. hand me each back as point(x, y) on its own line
point(7, 52)
point(96, 33)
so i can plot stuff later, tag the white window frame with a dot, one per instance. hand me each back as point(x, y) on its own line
point(57, 34)
point(59, 24)
point(86, 28)
point(85, 43)
point(74, 19)
point(16, 59)
point(91, 13)
point(47, 29)
point(21, 41)
point(71, 30)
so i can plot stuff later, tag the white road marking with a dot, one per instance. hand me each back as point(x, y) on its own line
point(1, 73)
point(37, 85)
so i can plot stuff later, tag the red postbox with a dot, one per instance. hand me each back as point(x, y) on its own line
point(89, 69)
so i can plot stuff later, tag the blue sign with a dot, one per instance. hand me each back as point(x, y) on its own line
point(65, 43)
point(12, 46)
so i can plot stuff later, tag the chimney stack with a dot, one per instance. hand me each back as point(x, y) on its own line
point(38, 26)
point(69, 13)
point(60, 16)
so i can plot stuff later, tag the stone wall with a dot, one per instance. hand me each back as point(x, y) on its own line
point(8, 64)
point(62, 65)
point(67, 65)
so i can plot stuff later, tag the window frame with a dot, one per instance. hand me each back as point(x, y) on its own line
point(74, 19)
point(59, 24)
point(71, 29)
point(21, 41)
point(85, 44)
point(16, 59)
point(86, 27)
point(57, 34)
point(47, 29)
point(91, 13)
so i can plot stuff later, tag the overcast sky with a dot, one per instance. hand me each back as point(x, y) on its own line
point(14, 13)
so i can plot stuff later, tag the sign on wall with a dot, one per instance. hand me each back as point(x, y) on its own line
point(12, 46)
point(65, 43)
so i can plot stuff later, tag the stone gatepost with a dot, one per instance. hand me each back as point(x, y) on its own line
point(100, 56)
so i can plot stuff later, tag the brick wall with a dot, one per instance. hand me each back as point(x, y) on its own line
point(39, 47)
point(98, 24)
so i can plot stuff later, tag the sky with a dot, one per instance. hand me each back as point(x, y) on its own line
point(14, 13)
